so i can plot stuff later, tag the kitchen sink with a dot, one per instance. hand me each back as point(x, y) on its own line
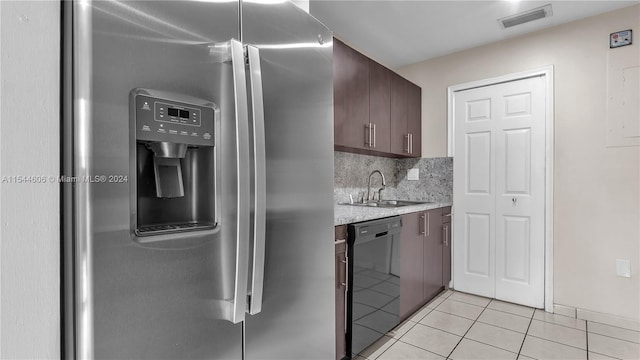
point(386, 203)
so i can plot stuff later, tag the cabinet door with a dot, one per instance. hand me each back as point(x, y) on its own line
point(411, 267)
point(432, 251)
point(414, 119)
point(446, 248)
point(380, 106)
point(341, 288)
point(399, 131)
point(350, 97)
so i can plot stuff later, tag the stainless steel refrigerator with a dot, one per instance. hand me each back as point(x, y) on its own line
point(198, 181)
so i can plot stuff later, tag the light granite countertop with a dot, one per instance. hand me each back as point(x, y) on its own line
point(347, 214)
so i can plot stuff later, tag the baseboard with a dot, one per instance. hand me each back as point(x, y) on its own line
point(598, 317)
point(564, 310)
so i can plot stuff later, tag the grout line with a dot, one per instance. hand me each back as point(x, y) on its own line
point(493, 346)
point(541, 338)
point(526, 333)
point(554, 323)
point(418, 347)
point(466, 332)
point(501, 327)
point(613, 357)
point(610, 337)
point(510, 313)
point(586, 335)
point(466, 303)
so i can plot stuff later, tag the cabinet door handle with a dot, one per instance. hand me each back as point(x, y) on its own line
point(445, 235)
point(367, 135)
point(374, 135)
point(427, 224)
point(407, 149)
point(422, 225)
point(410, 143)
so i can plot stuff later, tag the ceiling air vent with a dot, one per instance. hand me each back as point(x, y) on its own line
point(525, 17)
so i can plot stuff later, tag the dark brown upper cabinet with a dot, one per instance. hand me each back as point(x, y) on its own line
point(380, 106)
point(406, 99)
point(350, 97)
point(414, 119)
point(376, 111)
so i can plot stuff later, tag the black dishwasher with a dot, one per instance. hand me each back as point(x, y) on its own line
point(373, 296)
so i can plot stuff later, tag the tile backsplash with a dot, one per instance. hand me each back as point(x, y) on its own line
point(352, 173)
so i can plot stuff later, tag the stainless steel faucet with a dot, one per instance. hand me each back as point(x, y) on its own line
point(379, 190)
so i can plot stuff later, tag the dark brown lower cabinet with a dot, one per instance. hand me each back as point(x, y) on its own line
point(341, 288)
point(422, 263)
point(446, 246)
point(411, 263)
point(432, 252)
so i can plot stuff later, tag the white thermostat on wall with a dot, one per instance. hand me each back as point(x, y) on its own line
point(620, 38)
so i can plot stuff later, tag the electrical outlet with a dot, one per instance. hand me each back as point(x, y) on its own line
point(413, 174)
point(623, 268)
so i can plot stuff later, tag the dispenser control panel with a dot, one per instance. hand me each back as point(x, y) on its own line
point(172, 113)
point(172, 120)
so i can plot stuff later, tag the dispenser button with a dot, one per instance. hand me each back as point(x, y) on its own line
point(162, 131)
point(194, 134)
point(184, 133)
point(146, 128)
point(207, 136)
point(173, 132)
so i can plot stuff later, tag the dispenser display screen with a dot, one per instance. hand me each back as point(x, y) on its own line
point(183, 115)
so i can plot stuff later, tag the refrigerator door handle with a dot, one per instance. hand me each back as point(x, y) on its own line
point(259, 190)
point(238, 304)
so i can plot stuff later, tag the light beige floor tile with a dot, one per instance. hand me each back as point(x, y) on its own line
point(401, 329)
point(446, 293)
point(418, 315)
point(470, 299)
point(460, 309)
point(620, 349)
point(377, 348)
point(522, 357)
point(558, 333)
point(548, 350)
point(559, 319)
point(435, 302)
point(596, 356)
point(511, 308)
point(505, 320)
point(400, 350)
point(614, 332)
point(469, 349)
point(496, 336)
point(447, 322)
point(360, 358)
point(431, 339)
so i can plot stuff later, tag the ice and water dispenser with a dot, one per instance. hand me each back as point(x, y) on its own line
point(174, 163)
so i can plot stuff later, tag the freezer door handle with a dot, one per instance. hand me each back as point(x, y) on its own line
point(242, 168)
point(259, 181)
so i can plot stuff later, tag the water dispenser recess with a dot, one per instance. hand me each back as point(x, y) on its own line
point(173, 164)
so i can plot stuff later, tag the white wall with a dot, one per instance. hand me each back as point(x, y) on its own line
point(29, 213)
point(597, 188)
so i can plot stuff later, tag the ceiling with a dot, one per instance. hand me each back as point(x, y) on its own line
point(398, 32)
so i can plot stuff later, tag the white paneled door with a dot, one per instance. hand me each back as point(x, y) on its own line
point(499, 191)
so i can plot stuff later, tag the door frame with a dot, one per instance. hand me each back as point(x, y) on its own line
point(548, 73)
